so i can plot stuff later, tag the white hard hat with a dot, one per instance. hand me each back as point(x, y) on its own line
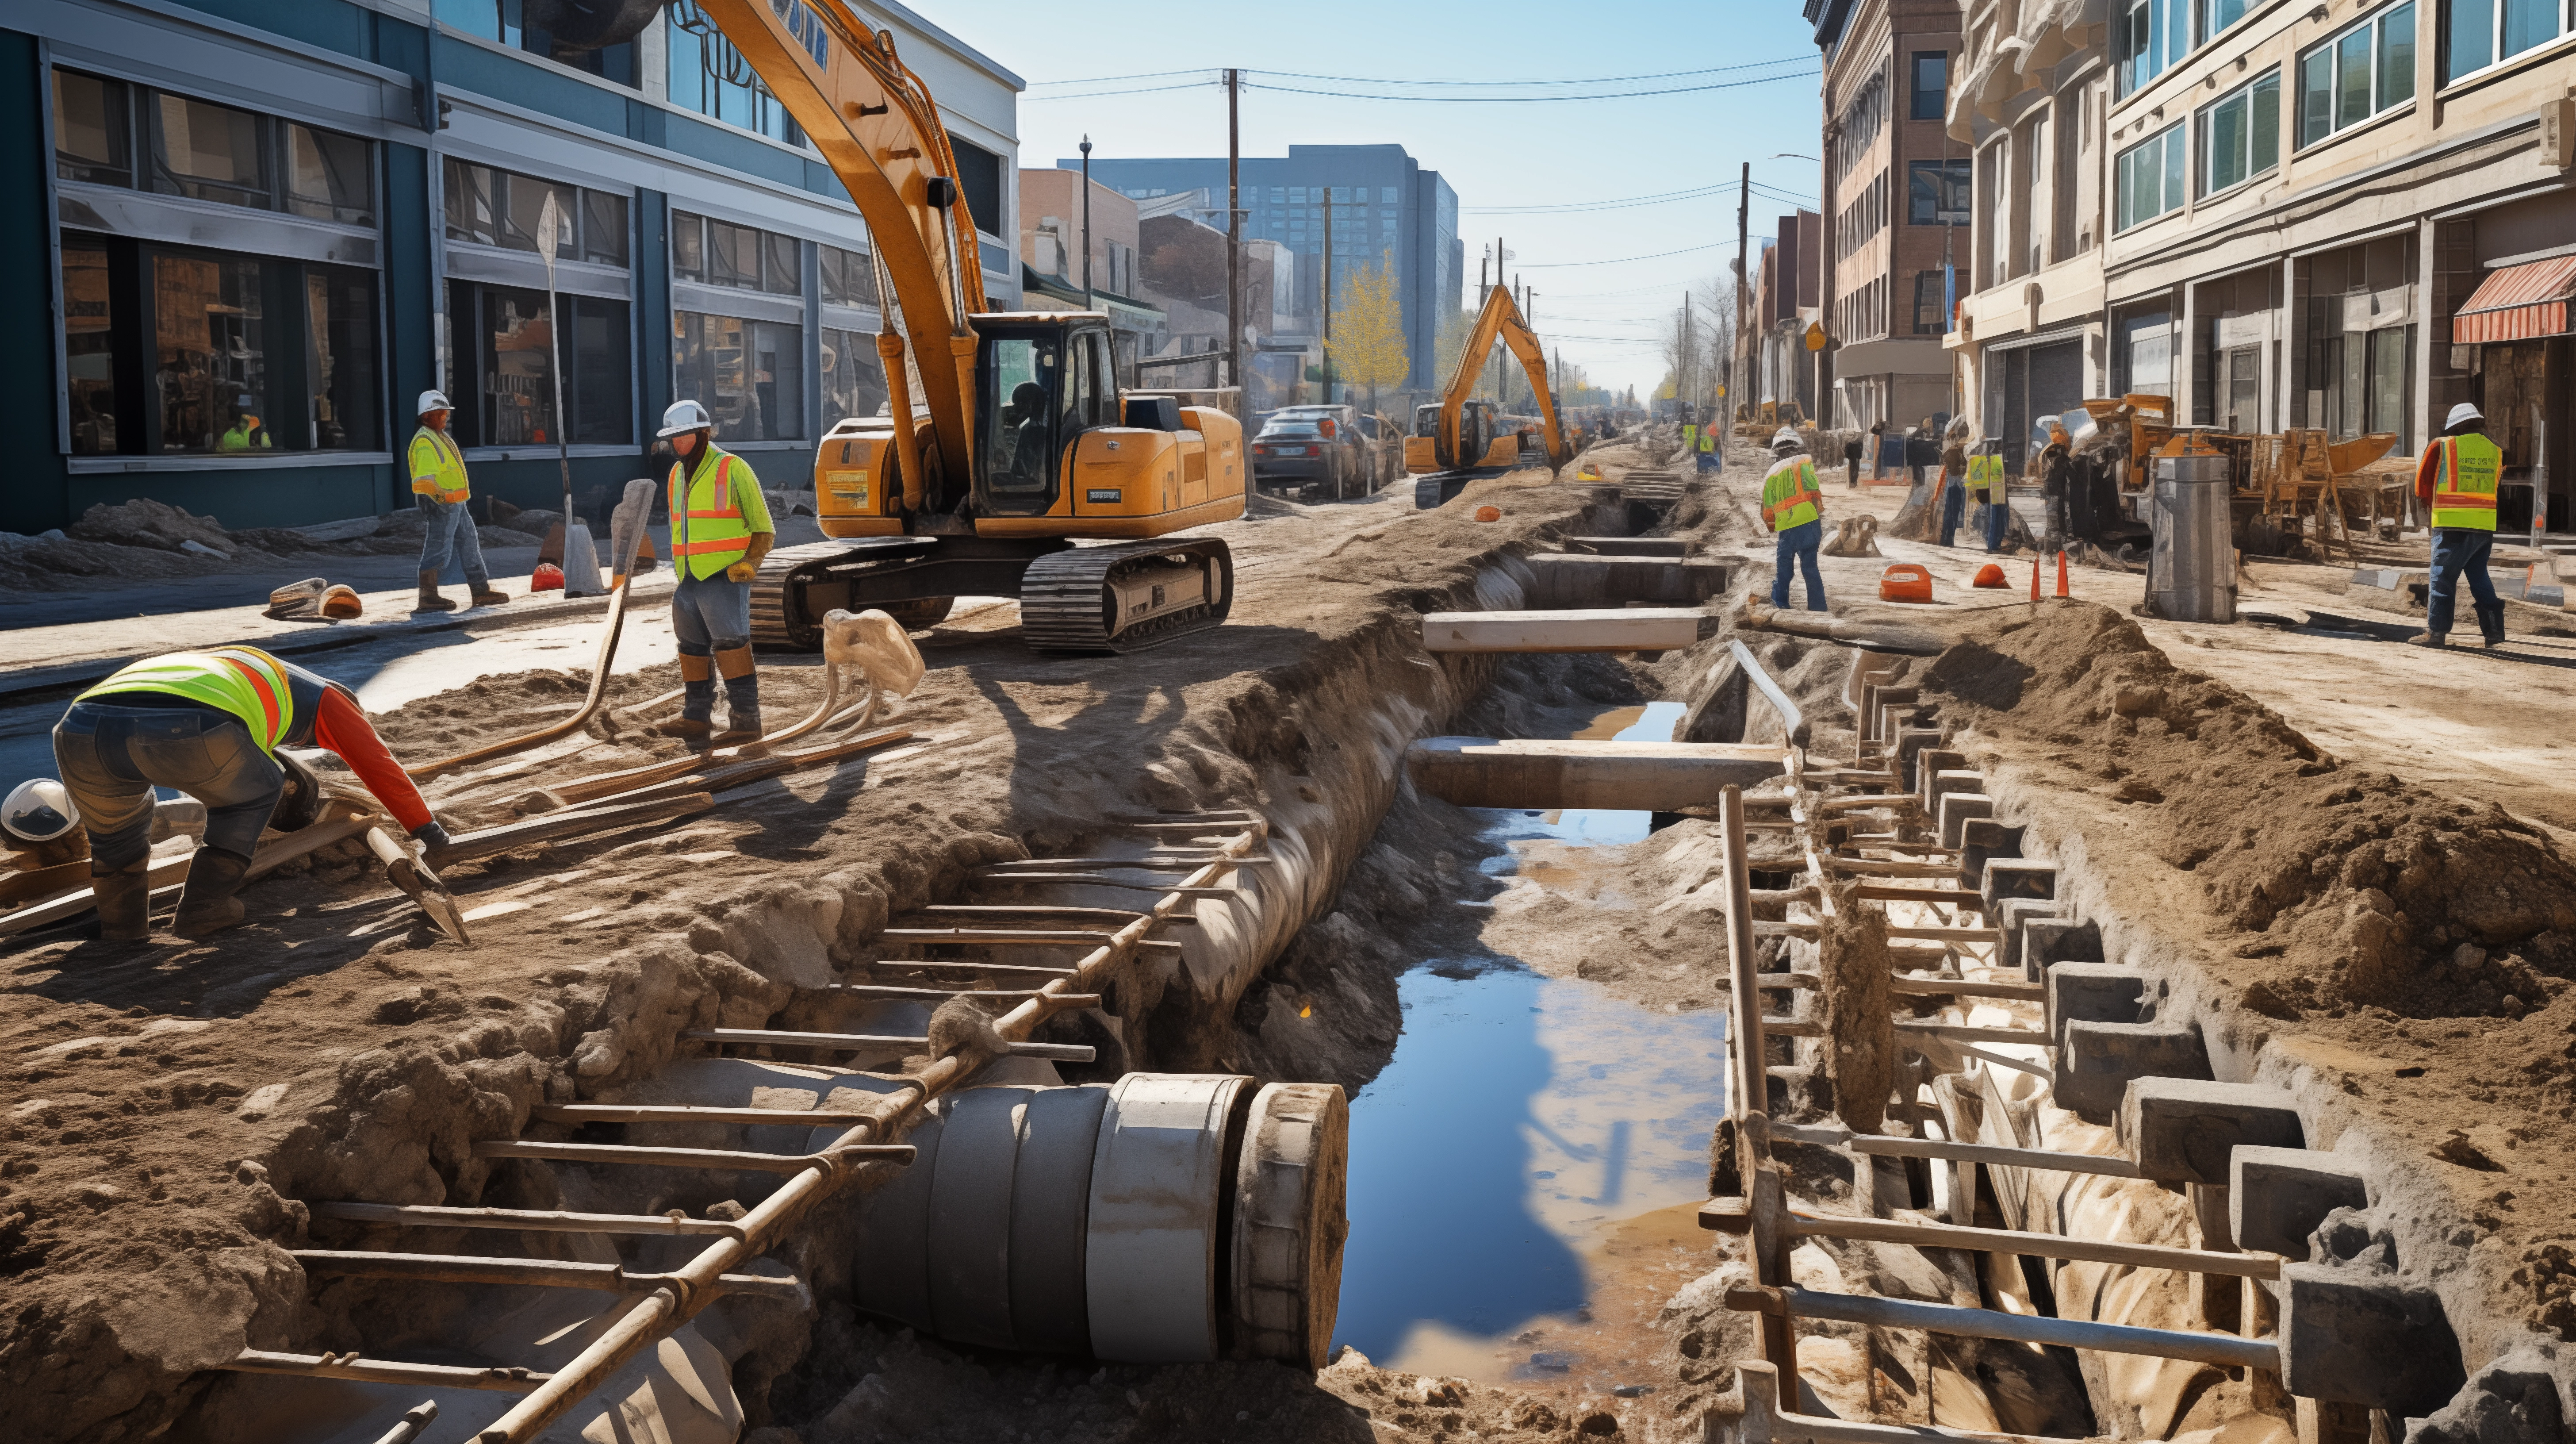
point(39, 811)
point(433, 400)
point(2465, 411)
point(1787, 439)
point(684, 416)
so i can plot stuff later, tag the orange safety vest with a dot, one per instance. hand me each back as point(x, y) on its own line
point(713, 535)
point(1790, 498)
point(2466, 470)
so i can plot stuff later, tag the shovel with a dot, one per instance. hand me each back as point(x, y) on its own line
point(422, 886)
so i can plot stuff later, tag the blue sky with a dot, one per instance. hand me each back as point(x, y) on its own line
point(1519, 153)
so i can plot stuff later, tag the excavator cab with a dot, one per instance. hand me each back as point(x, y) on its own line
point(1475, 438)
point(1042, 384)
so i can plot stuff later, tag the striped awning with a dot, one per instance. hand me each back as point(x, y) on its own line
point(2518, 303)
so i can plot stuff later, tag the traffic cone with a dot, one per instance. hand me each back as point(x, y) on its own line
point(2034, 579)
point(2061, 572)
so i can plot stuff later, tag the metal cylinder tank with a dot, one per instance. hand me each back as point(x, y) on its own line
point(2191, 569)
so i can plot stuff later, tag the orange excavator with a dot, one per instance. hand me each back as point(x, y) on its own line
point(1458, 438)
point(1019, 441)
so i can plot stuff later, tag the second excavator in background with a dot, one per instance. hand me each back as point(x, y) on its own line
point(1460, 437)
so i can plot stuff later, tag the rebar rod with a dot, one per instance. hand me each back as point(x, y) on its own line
point(528, 1220)
point(1793, 1301)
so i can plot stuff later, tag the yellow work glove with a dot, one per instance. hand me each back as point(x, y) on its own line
point(742, 571)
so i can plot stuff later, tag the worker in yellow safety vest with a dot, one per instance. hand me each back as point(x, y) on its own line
point(1793, 506)
point(720, 529)
point(2457, 480)
point(1986, 486)
point(438, 488)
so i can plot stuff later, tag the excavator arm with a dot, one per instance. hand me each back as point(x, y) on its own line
point(1500, 318)
point(878, 129)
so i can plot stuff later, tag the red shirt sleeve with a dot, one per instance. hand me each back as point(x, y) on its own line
point(339, 727)
point(2424, 471)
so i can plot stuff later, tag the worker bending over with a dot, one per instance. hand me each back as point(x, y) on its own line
point(720, 529)
point(209, 724)
point(1794, 508)
point(438, 486)
point(2457, 479)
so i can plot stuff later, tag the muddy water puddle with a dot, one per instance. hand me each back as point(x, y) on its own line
point(1526, 1172)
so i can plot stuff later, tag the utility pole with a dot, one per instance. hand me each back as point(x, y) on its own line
point(1234, 236)
point(1738, 392)
point(1329, 397)
point(1684, 393)
point(1087, 303)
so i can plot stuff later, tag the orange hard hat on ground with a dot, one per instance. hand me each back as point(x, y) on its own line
point(1905, 582)
point(1489, 513)
point(1990, 575)
point(546, 578)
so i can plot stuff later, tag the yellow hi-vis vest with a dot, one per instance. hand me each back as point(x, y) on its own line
point(2465, 470)
point(437, 467)
point(710, 529)
point(1986, 478)
point(243, 681)
point(1790, 497)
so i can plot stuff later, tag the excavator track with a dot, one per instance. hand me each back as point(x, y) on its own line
point(1126, 596)
point(775, 622)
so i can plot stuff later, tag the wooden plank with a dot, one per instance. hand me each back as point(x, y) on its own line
point(1966, 1033)
point(647, 782)
point(1803, 1224)
point(685, 1157)
point(164, 872)
point(1894, 892)
point(1633, 629)
point(1963, 988)
point(1637, 776)
point(866, 1042)
point(537, 1220)
point(382, 1371)
point(556, 826)
point(535, 1273)
point(1791, 1301)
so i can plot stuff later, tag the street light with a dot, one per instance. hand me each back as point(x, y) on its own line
point(1087, 303)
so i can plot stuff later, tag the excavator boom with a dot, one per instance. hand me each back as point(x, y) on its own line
point(1500, 318)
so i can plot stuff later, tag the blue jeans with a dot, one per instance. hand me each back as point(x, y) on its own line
point(1998, 522)
point(451, 527)
point(1954, 504)
point(2458, 549)
point(111, 758)
point(1797, 547)
point(710, 616)
point(1710, 461)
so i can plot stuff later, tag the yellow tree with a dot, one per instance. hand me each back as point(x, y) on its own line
point(1367, 348)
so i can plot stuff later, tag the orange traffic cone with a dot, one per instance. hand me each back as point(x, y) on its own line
point(2034, 579)
point(2061, 572)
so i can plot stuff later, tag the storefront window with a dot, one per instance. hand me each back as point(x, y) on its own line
point(93, 126)
point(720, 253)
point(89, 323)
point(750, 375)
point(848, 278)
point(210, 365)
point(327, 177)
point(493, 207)
point(511, 353)
point(340, 309)
point(853, 376)
point(209, 152)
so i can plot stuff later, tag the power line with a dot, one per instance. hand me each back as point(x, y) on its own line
point(1140, 90)
point(1623, 260)
point(1139, 75)
point(1553, 80)
point(1536, 99)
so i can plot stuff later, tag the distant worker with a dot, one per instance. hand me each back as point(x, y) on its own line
point(210, 724)
point(720, 529)
point(1953, 485)
point(1710, 458)
point(246, 435)
point(1794, 508)
point(1851, 461)
point(438, 487)
point(2057, 484)
point(2457, 478)
point(1987, 484)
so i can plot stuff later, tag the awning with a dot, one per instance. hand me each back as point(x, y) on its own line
point(2518, 303)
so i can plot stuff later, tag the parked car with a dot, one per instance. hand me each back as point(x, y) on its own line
point(1317, 452)
point(1385, 449)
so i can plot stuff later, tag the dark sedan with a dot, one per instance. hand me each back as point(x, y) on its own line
point(1293, 456)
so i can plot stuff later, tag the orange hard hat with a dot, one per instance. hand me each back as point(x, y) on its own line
point(1990, 575)
point(1489, 513)
point(546, 578)
point(1905, 582)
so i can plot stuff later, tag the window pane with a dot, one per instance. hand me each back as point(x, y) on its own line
point(209, 152)
point(340, 308)
point(603, 228)
point(209, 354)
point(749, 375)
point(599, 388)
point(853, 377)
point(2528, 23)
point(2173, 143)
point(329, 177)
point(2223, 13)
point(472, 212)
point(1931, 85)
point(2389, 354)
point(688, 246)
point(89, 322)
point(518, 368)
point(780, 270)
point(1023, 372)
point(2227, 143)
point(848, 278)
point(524, 200)
point(2469, 43)
point(474, 17)
point(2397, 57)
point(91, 121)
point(2316, 95)
point(2352, 78)
point(733, 256)
point(2263, 129)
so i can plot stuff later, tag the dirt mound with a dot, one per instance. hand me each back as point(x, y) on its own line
point(2378, 892)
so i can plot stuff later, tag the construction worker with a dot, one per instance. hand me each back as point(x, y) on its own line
point(246, 434)
point(720, 529)
point(2457, 479)
point(1793, 506)
point(2057, 484)
point(1953, 500)
point(210, 724)
point(1708, 457)
point(438, 487)
point(1986, 484)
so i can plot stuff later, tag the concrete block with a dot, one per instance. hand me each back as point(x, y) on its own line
point(1562, 581)
point(1955, 810)
point(2010, 916)
point(2097, 1061)
point(2018, 877)
point(2048, 941)
point(2092, 993)
point(2358, 1336)
point(1621, 629)
point(1949, 780)
point(1555, 772)
point(2278, 1196)
point(1930, 763)
point(1982, 840)
point(1911, 743)
point(2183, 1130)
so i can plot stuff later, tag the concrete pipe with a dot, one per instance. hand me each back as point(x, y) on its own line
point(1165, 1218)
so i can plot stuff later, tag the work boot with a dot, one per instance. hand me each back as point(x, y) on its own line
point(430, 600)
point(2428, 639)
point(485, 595)
point(207, 905)
point(742, 715)
point(124, 900)
point(2491, 625)
point(692, 730)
